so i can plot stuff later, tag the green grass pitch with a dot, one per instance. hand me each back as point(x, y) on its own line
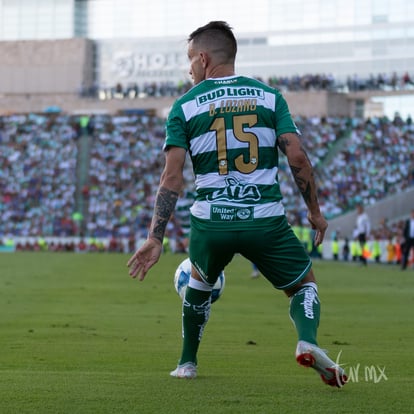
point(77, 335)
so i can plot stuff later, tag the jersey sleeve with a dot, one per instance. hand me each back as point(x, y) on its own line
point(284, 121)
point(176, 129)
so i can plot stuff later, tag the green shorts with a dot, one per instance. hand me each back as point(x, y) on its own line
point(272, 246)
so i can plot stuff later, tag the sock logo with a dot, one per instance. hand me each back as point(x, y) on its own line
point(310, 297)
point(201, 312)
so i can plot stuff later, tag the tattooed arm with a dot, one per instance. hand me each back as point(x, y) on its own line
point(303, 175)
point(171, 184)
point(164, 206)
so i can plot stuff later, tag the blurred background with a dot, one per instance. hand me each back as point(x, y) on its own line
point(86, 85)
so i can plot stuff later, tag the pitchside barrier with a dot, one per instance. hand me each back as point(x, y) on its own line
point(10, 245)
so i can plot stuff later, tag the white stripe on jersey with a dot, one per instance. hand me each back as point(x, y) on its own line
point(207, 142)
point(259, 177)
point(203, 143)
point(190, 108)
point(202, 209)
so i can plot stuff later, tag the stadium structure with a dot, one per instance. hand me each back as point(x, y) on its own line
point(102, 58)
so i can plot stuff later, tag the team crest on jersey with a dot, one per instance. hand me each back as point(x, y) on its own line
point(236, 191)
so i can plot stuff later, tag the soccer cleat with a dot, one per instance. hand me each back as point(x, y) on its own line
point(310, 355)
point(187, 370)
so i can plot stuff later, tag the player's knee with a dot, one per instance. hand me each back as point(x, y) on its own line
point(199, 284)
point(309, 279)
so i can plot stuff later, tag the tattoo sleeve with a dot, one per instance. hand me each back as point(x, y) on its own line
point(283, 142)
point(303, 184)
point(164, 206)
point(302, 173)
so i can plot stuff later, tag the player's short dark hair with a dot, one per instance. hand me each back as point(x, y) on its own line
point(217, 36)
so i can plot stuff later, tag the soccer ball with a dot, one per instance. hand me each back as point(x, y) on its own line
point(182, 277)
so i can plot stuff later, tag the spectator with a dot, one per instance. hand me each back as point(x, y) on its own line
point(362, 231)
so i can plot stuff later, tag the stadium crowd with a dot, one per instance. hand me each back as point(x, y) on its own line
point(375, 161)
point(39, 172)
point(319, 82)
point(38, 155)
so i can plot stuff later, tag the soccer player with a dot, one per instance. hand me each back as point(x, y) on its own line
point(408, 240)
point(362, 230)
point(232, 127)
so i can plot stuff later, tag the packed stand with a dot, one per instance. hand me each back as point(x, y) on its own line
point(125, 164)
point(123, 186)
point(37, 175)
point(320, 136)
point(38, 160)
point(377, 161)
point(293, 83)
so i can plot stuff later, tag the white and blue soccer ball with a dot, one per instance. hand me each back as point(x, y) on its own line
point(182, 277)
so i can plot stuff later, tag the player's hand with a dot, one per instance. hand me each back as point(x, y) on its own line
point(144, 258)
point(319, 224)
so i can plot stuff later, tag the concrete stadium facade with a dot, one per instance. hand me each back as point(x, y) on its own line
point(132, 42)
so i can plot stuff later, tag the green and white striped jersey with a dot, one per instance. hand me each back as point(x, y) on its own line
point(230, 126)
